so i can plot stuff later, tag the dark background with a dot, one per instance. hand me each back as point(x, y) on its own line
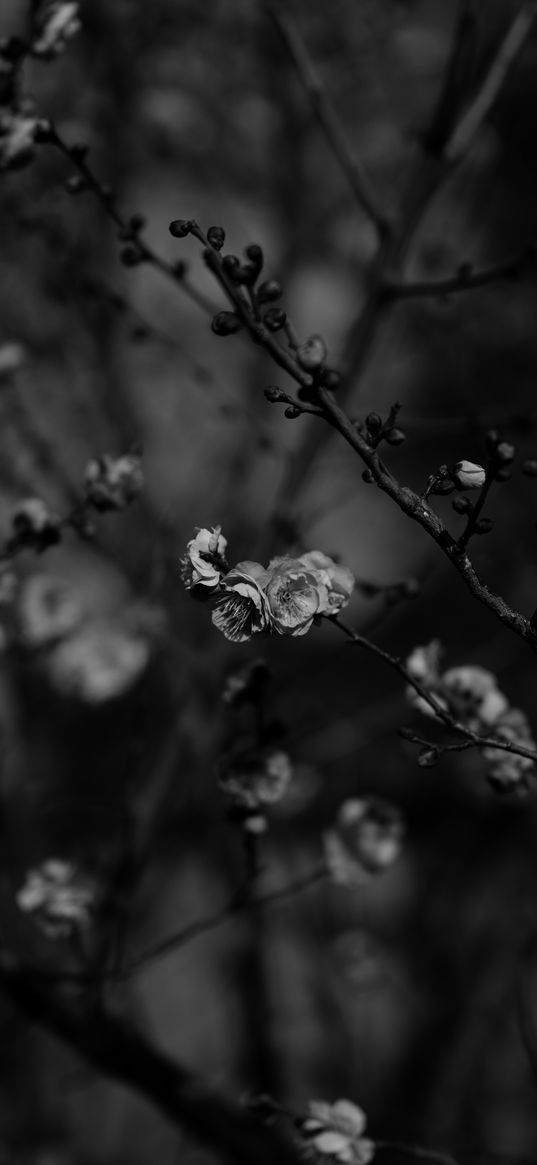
point(400, 996)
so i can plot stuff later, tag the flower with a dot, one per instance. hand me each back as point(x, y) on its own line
point(296, 593)
point(34, 525)
point(245, 683)
point(468, 475)
point(242, 607)
point(12, 357)
point(48, 610)
point(311, 355)
point(423, 663)
point(336, 1131)
point(59, 897)
point(57, 22)
point(253, 779)
point(204, 561)
point(366, 839)
point(338, 580)
point(112, 483)
point(507, 770)
point(17, 138)
point(473, 695)
point(99, 662)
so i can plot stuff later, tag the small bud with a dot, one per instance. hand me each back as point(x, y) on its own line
point(462, 505)
point(373, 423)
point(394, 436)
point(225, 323)
point(130, 256)
point(428, 757)
point(180, 227)
point(254, 253)
point(491, 440)
point(269, 291)
point(291, 413)
point(367, 476)
point(274, 394)
point(274, 319)
point(483, 526)
point(312, 353)
point(529, 467)
point(331, 379)
point(505, 473)
point(216, 236)
point(468, 475)
point(307, 393)
point(504, 453)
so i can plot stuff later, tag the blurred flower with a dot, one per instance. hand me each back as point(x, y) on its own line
point(204, 561)
point(57, 21)
point(99, 662)
point(34, 525)
point(242, 608)
point(468, 475)
point(59, 896)
point(473, 695)
point(507, 771)
point(244, 683)
point(423, 663)
point(296, 593)
point(336, 1131)
point(312, 353)
point(366, 839)
point(12, 357)
point(338, 580)
point(48, 609)
point(112, 483)
point(17, 138)
point(253, 779)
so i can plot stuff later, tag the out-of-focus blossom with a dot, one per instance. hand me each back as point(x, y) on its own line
point(296, 593)
point(336, 1131)
point(311, 355)
point(57, 21)
point(112, 483)
point(242, 608)
point(366, 839)
point(99, 662)
point(473, 695)
point(17, 138)
point(205, 560)
point(253, 779)
point(12, 357)
point(423, 663)
point(338, 580)
point(507, 771)
point(468, 475)
point(59, 897)
point(244, 683)
point(34, 525)
point(48, 609)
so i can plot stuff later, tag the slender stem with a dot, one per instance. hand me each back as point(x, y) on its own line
point(465, 279)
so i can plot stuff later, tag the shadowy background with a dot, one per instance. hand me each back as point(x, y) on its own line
point(401, 996)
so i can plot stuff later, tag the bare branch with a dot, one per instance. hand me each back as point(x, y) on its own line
point(467, 278)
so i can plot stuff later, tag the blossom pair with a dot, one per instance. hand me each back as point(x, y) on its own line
point(284, 597)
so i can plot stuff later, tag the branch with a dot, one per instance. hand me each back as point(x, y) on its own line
point(124, 1054)
point(465, 279)
point(328, 120)
point(511, 46)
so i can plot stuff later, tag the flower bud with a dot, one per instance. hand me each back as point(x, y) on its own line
point(254, 253)
point(529, 467)
point(130, 256)
point(331, 379)
point(269, 291)
point(225, 323)
point(373, 423)
point(483, 526)
point(367, 476)
point(468, 475)
point(312, 353)
point(492, 438)
point(274, 394)
point(394, 436)
point(180, 227)
point(291, 413)
point(462, 505)
point(274, 319)
point(504, 453)
point(216, 236)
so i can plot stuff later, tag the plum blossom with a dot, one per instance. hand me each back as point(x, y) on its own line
point(336, 1131)
point(296, 593)
point(204, 562)
point(99, 662)
point(59, 897)
point(473, 696)
point(338, 580)
point(366, 839)
point(468, 475)
point(112, 483)
point(507, 771)
point(34, 525)
point(48, 609)
point(253, 779)
point(242, 607)
point(18, 131)
point(57, 22)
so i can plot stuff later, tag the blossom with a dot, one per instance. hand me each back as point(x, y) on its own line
point(17, 138)
point(204, 561)
point(112, 483)
point(242, 607)
point(59, 896)
point(468, 475)
point(338, 580)
point(245, 683)
point(507, 770)
point(34, 525)
point(311, 355)
point(252, 780)
point(48, 609)
point(336, 1131)
point(99, 662)
point(474, 696)
point(57, 22)
point(296, 593)
point(12, 357)
point(365, 839)
point(423, 663)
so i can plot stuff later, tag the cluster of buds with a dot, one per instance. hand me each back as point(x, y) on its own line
point(283, 598)
point(59, 898)
point(252, 780)
point(471, 695)
point(375, 430)
point(463, 475)
point(365, 839)
point(34, 526)
point(335, 1131)
point(112, 483)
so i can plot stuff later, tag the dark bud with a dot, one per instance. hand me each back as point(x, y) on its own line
point(130, 256)
point(529, 467)
point(216, 237)
point(230, 263)
point(137, 222)
point(484, 526)
point(79, 151)
point(373, 423)
point(491, 440)
point(443, 486)
point(331, 379)
point(367, 476)
point(274, 394)
point(394, 436)
point(225, 323)
point(505, 473)
point(180, 227)
point(307, 393)
point(504, 453)
point(274, 319)
point(269, 291)
point(407, 734)
point(462, 505)
point(75, 184)
point(254, 253)
point(291, 413)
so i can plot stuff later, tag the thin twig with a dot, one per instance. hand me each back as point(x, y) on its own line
point(465, 279)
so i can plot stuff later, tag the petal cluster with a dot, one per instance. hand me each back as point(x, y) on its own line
point(366, 839)
point(336, 1131)
point(58, 896)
